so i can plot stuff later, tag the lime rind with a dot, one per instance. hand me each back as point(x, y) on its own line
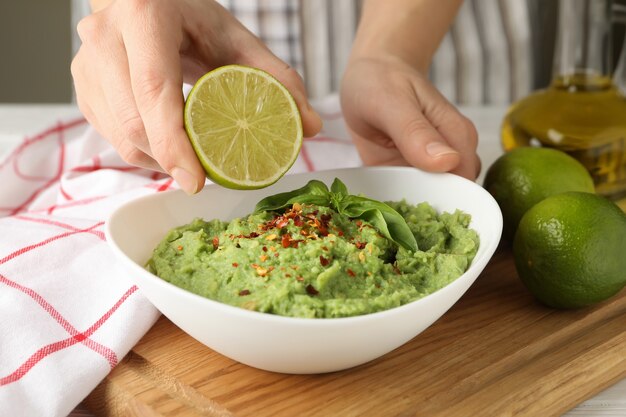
point(243, 135)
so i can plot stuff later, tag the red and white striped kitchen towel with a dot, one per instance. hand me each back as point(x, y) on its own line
point(68, 311)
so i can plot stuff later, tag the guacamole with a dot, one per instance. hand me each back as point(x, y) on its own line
point(310, 261)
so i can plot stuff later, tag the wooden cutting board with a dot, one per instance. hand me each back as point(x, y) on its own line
point(495, 353)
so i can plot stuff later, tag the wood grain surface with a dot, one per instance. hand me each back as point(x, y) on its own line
point(495, 353)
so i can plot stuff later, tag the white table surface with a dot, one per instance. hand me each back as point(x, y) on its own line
point(18, 121)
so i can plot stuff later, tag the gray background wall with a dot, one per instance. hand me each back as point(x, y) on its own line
point(36, 47)
point(35, 51)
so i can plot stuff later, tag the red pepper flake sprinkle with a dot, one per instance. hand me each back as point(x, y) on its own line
point(325, 248)
point(264, 248)
point(311, 290)
point(300, 278)
point(298, 221)
point(351, 272)
point(359, 245)
point(244, 292)
point(235, 264)
point(324, 261)
point(216, 242)
point(179, 247)
point(255, 266)
point(359, 223)
point(276, 255)
point(288, 275)
point(285, 241)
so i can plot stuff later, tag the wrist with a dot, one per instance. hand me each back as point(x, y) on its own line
point(409, 30)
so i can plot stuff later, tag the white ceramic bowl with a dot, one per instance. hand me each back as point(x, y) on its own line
point(294, 345)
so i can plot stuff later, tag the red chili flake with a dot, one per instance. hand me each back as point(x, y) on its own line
point(276, 255)
point(235, 264)
point(340, 233)
point(270, 269)
point(179, 247)
point(295, 243)
point(216, 242)
point(255, 266)
point(359, 223)
point(288, 275)
point(359, 245)
point(300, 278)
point(314, 212)
point(244, 292)
point(285, 240)
point(304, 232)
point(297, 220)
point(325, 218)
point(325, 248)
point(264, 248)
point(253, 235)
point(311, 290)
point(324, 261)
point(351, 272)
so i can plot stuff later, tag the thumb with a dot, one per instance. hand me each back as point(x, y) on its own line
point(419, 142)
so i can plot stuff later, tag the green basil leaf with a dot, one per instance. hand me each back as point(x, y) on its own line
point(385, 219)
point(314, 192)
point(338, 187)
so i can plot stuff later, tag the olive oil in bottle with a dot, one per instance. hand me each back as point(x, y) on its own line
point(582, 112)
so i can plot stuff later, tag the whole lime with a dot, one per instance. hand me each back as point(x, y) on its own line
point(570, 250)
point(521, 178)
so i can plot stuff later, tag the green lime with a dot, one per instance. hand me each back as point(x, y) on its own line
point(570, 250)
point(521, 178)
point(244, 126)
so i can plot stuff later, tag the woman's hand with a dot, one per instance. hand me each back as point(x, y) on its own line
point(396, 117)
point(129, 71)
point(394, 114)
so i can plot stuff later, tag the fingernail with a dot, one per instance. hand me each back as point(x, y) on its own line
point(436, 149)
point(185, 180)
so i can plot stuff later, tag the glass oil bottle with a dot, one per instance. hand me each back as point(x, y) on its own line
point(582, 112)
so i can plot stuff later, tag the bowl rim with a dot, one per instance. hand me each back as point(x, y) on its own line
point(475, 267)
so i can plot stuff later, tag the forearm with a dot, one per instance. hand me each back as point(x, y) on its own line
point(410, 30)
